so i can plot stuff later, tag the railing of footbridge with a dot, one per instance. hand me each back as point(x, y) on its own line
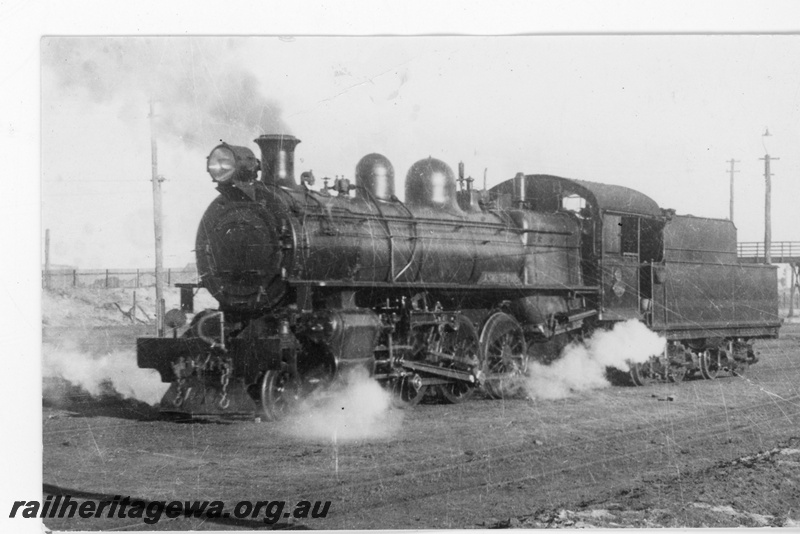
point(780, 252)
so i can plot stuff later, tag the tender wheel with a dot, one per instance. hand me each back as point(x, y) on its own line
point(709, 365)
point(464, 346)
point(504, 355)
point(676, 372)
point(643, 374)
point(740, 356)
point(676, 364)
point(277, 394)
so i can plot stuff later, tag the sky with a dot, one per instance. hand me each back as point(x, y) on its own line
point(662, 114)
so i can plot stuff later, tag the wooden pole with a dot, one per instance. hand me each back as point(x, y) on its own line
point(47, 258)
point(732, 172)
point(156, 179)
point(767, 212)
point(795, 269)
point(767, 200)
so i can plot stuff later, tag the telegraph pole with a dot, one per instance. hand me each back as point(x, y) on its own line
point(767, 201)
point(156, 179)
point(732, 162)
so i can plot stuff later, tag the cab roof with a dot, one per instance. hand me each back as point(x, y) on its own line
point(545, 192)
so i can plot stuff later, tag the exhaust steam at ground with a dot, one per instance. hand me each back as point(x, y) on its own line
point(95, 373)
point(582, 365)
point(356, 409)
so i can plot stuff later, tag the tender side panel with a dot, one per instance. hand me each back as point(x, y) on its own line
point(756, 292)
point(716, 300)
point(702, 290)
point(700, 240)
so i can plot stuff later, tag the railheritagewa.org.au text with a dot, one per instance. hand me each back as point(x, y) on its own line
point(152, 512)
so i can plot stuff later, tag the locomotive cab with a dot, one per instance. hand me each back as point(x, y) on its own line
point(631, 245)
point(620, 237)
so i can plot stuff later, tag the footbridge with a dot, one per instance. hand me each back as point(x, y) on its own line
point(780, 252)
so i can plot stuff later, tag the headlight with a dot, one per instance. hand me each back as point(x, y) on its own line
point(221, 164)
point(228, 162)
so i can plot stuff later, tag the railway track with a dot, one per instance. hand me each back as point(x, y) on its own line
point(478, 459)
point(506, 462)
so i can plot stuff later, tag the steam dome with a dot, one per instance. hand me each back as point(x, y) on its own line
point(375, 174)
point(431, 182)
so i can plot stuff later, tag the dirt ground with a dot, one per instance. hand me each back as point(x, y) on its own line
point(720, 453)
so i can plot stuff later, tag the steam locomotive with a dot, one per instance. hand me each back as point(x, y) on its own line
point(450, 291)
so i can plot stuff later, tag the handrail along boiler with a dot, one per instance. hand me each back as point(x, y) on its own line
point(453, 290)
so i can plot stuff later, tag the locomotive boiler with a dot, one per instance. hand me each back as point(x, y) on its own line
point(449, 291)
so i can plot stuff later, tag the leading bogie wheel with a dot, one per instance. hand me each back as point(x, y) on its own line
point(503, 354)
point(277, 394)
point(407, 391)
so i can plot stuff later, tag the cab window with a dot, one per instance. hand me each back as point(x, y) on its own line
point(611, 234)
point(629, 236)
point(621, 235)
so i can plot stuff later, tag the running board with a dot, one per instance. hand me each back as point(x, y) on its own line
point(560, 325)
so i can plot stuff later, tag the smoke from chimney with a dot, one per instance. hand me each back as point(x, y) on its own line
point(203, 92)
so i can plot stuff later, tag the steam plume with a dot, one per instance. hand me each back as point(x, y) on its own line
point(92, 372)
point(582, 366)
point(202, 90)
point(357, 409)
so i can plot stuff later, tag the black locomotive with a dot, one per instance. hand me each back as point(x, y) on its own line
point(452, 290)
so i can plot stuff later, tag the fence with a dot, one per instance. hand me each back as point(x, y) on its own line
point(114, 278)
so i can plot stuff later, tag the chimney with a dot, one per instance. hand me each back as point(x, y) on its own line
point(277, 159)
point(520, 184)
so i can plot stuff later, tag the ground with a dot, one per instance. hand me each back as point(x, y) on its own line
point(716, 453)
